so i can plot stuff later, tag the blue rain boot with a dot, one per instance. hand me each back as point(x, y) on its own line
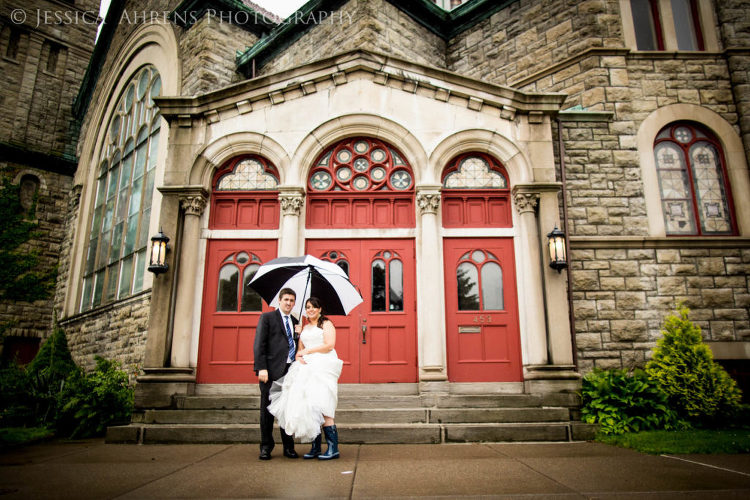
point(332, 438)
point(315, 450)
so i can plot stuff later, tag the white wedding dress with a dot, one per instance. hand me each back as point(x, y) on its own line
point(308, 391)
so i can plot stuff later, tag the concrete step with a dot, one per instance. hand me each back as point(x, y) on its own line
point(403, 416)
point(352, 433)
point(367, 401)
point(365, 416)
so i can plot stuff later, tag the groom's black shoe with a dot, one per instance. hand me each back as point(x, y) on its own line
point(290, 453)
point(265, 454)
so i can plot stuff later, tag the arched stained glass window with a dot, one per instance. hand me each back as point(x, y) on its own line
point(249, 174)
point(474, 171)
point(230, 297)
point(695, 195)
point(479, 279)
point(338, 258)
point(387, 282)
point(361, 164)
point(116, 254)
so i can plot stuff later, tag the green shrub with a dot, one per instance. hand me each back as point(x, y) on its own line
point(699, 389)
point(16, 405)
point(91, 402)
point(620, 402)
point(46, 376)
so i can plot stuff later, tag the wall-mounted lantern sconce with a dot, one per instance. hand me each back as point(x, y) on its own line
point(557, 258)
point(159, 248)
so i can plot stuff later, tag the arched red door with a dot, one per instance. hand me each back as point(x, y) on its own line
point(482, 331)
point(244, 197)
point(363, 183)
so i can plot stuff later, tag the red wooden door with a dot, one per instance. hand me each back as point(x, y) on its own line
point(377, 341)
point(231, 310)
point(482, 330)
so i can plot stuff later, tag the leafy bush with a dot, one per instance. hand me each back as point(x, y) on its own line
point(16, 405)
point(46, 376)
point(91, 402)
point(698, 388)
point(620, 402)
point(54, 392)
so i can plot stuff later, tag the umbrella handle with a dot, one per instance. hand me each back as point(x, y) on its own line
point(307, 284)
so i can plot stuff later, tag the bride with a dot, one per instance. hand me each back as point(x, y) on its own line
point(306, 397)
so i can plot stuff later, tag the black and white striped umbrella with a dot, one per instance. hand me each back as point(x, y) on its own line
point(307, 276)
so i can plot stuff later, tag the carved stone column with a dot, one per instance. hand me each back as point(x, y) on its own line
point(431, 335)
point(192, 205)
point(534, 342)
point(291, 200)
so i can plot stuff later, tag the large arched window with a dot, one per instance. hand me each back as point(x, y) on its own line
point(118, 236)
point(695, 196)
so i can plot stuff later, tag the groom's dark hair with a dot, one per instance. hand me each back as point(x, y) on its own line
point(287, 291)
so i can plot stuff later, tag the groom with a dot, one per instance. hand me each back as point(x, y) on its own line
point(274, 350)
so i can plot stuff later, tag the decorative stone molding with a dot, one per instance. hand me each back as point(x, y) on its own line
point(428, 202)
point(526, 202)
point(291, 203)
point(193, 205)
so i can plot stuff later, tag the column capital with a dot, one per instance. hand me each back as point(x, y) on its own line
point(526, 202)
point(428, 199)
point(193, 204)
point(291, 203)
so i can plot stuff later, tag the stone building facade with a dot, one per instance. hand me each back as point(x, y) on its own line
point(43, 59)
point(484, 127)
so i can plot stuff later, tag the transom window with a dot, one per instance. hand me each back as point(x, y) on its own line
point(479, 278)
point(249, 174)
point(387, 282)
point(116, 255)
point(474, 171)
point(361, 164)
point(695, 196)
point(238, 268)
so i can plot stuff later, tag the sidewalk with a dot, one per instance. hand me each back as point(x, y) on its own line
point(92, 469)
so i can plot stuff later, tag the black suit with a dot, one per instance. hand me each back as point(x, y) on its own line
point(271, 352)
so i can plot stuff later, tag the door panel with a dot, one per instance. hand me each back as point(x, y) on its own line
point(377, 340)
point(230, 310)
point(483, 338)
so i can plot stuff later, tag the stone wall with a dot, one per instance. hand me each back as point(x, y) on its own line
point(42, 80)
point(530, 36)
point(116, 331)
point(35, 319)
point(622, 288)
point(622, 295)
point(735, 37)
point(374, 25)
point(207, 52)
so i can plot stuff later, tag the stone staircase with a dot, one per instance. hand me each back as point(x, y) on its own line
point(389, 413)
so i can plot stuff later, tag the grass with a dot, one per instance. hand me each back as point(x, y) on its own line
point(21, 435)
point(683, 442)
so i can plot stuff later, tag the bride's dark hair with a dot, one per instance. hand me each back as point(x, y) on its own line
point(315, 302)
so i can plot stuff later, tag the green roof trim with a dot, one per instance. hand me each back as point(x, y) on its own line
point(283, 36)
point(442, 23)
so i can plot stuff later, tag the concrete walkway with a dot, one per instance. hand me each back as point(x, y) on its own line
point(93, 469)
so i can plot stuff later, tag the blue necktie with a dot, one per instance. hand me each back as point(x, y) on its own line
point(289, 338)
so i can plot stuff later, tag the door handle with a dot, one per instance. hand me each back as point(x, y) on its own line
point(364, 334)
